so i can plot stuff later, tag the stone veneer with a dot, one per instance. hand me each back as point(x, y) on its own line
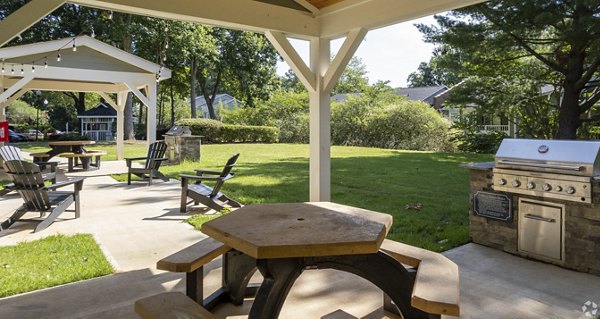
point(581, 233)
point(183, 148)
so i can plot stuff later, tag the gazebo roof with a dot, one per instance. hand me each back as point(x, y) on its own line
point(94, 67)
point(100, 110)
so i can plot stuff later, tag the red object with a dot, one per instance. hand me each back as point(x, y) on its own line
point(4, 132)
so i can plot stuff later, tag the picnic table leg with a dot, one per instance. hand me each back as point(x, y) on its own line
point(237, 271)
point(70, 164)
point(380, 269)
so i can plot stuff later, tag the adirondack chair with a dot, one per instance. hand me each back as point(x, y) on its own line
point(8, 153)
point(209, 196)
point(29, 183)
point(155, 157)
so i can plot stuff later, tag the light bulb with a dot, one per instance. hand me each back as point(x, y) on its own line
point(110, 15)
point(58, 57)
point(33, 69)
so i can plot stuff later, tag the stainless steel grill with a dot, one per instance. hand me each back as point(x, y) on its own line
point(561, 169)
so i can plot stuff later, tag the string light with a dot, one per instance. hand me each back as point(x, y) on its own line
point(58, 57)
point(12, 69)
point(22, 71)
point(74, 46)
point(45, 62)
point(3, 70)
point(110, 15)
point(32, 67)
point(93, 35)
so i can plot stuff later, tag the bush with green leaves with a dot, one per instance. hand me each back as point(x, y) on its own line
point(248, 134)
point(213, 131)
point(286, 111)
point(409, 125)
point(73, 137)
point(470, 139)
point(208, 129)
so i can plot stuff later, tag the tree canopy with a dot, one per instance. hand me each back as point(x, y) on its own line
point(508, 51)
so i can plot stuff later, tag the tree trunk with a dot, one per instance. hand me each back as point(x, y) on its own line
point(172, 102)
point(568, 118)
point(129, 131)
point(80, 106)
point(128, 112)
point(194, 68)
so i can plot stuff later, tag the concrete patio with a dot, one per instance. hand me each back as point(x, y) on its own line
point(136, 225)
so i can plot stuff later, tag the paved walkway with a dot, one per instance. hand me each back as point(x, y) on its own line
point(137, 225)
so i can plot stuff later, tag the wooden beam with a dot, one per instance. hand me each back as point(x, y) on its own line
point(70, 86)
point(337, 67)
point(293, 59)
point(14, 97)
point(235, 14)
point(308, 6)
point(133, 88)
point(4, 96)
point(25, 17)
point(372, 14)
point(320, 125)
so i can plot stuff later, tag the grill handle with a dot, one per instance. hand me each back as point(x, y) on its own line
point(540, 218)
point(540, 165)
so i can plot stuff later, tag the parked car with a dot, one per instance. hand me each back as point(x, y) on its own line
point(15, 137)
point(31, 134)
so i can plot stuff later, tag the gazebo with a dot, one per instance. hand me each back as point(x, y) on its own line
point(316, 21)
point(82, 64)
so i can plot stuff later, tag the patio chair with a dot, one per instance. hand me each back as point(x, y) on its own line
point(155, 157)
point(209, 196)
point(8, 153)
point(29, 183)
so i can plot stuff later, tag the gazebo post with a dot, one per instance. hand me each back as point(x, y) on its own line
point(319, 80)
point(151, 91)
point(121, 101)
point(320, 126)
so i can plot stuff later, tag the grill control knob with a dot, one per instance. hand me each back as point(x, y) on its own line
point(570, 190)
point(531, 185)
point(502, 181)
point(558, 188)
point(547, 187)
point(516, 183)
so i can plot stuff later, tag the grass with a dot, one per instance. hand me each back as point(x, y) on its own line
point(389, 181)
point(49, 262)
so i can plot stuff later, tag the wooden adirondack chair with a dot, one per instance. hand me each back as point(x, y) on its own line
point(155, 157)
point(209, 196)
point(8, 153)
point(29, 183)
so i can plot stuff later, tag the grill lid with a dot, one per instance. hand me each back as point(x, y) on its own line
point(558, 156)
point(179, 130)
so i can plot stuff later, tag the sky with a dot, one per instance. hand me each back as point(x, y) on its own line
point(390, 53)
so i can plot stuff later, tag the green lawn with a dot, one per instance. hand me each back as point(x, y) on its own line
point(376, 179)
point(50, 261)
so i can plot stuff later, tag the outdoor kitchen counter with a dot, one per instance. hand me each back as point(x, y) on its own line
point(479, 166)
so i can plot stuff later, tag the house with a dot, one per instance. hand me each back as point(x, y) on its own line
point(99, 123)
point(432, 95)
point(221, 100)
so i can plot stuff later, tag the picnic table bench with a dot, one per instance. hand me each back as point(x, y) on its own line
point(87, 159)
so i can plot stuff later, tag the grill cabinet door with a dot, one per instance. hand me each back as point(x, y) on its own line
point(540, 229)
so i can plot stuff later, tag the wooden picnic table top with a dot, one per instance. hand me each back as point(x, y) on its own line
point(300, 230)
point(68, 143)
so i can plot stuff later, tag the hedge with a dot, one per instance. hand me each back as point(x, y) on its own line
point(213, 131)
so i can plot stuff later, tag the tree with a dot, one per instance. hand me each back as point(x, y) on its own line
point(353, 80)
point(541, 42)
point(432, 74)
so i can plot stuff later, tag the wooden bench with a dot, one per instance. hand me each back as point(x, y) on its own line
point(437, 285)
point(39, 157)
point(90, 158)
point(170, 305)
point(191, 260)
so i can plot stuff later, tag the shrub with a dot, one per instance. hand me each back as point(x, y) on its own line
point(213, 131)
point(208, 129)
point(245, 134)
point(409, 125)
point(73, 137)
point(469, 139)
